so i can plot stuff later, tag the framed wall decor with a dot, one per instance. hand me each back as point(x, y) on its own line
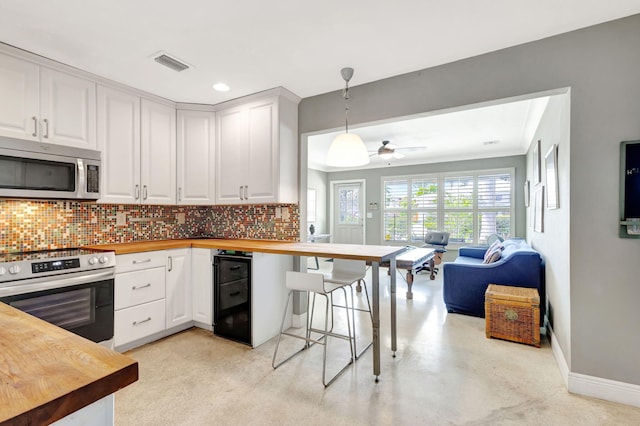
point(538, 210)
point(311, 205)
point(527, 193)
point(551, 173)
point(537, 178)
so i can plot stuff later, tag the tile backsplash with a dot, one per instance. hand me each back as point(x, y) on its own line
point(39, 225)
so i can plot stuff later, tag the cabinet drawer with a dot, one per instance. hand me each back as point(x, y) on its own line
point(137, 287)
point(138, 261)
point(139, 321)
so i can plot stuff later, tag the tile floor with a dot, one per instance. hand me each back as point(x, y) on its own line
point(446, 372)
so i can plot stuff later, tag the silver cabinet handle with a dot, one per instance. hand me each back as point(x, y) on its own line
point(141, 261)
point(138, 287)
point(46, 126)
point(179, 194)
point(35, 126)
point(240, 192)
point(137, 192)
point(144, 192)
point(143, 321)
point(170, 263)
point(246, 192)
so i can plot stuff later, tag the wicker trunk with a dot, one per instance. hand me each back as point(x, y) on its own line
point(513, 313)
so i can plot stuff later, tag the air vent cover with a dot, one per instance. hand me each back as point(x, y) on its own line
point(170, 62)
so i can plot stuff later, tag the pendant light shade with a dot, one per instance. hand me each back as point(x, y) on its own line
point(347, 149)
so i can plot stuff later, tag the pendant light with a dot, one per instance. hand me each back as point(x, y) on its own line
point(347, 149)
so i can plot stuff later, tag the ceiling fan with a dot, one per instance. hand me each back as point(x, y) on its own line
point(388, 150)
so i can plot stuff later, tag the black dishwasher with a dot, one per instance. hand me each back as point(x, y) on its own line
point(232, 301)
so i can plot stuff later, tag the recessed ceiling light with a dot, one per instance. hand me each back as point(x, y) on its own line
point(221, 87)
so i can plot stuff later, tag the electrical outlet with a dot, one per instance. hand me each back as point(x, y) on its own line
point(121, 219)
point(278, 213)
point(180, 218)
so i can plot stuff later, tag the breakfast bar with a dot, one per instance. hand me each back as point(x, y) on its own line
point(372, 254)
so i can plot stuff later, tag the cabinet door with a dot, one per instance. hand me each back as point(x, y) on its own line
point(67, 109)
point(178, 287)
point(19, 115)
point(195, 152)
point(202, 286)
point(158, 153)
point(119, 141)
point(232, 155)
point(261, 179)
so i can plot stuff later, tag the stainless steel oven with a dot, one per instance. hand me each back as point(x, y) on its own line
point(70, 288)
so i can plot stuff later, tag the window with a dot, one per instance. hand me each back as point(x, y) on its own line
point(469, 205)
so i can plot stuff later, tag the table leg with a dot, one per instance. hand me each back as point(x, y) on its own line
point(375, 307)
point(394, 337)
point(432, 266)
point(409, 284)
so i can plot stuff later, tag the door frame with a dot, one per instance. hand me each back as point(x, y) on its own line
point(332, 185)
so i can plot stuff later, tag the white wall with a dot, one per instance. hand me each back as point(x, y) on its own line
point(317, 180)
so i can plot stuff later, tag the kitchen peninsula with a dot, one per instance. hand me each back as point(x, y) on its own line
point(47, 373)
point(373, 254)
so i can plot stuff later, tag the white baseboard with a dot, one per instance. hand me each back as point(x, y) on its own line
point(596, 387)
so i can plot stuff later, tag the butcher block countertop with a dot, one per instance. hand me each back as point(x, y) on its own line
point(47, 373)
point(346, 251)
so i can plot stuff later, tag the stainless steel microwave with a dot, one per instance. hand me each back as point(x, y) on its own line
point(38, 170)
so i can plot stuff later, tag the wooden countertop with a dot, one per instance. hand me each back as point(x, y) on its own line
point(371, 253)
point(47, 373)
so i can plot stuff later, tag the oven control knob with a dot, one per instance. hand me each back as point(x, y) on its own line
point(93, 260)
point(15, 269)
point(103, 259)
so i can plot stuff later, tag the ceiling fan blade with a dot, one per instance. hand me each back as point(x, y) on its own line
point(411, 148)
point(398, 155)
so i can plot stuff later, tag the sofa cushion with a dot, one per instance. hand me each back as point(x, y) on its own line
point(493, 253)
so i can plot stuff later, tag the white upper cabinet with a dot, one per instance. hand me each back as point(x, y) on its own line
point(158, 153)
point(196, 153)
point(119, 141)
point(138, 143)
point(256, 153)
point(19, 102)
point(42, 104)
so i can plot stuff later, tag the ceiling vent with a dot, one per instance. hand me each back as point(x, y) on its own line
point(170, 62)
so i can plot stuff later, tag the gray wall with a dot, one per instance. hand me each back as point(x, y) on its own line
point(554, 242)
point(317, 180)
point(373, 179)
point(600, 64)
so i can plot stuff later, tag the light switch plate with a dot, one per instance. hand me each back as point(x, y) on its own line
point(180, 218)
point(369, 215)
point(121, 219)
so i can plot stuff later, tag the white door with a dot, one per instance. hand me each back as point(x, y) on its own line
point(348, 212)
point(119, 141)
point(67, 109)
point(196, 145)
point(19, 113)
point(178, 281)
point(232, 143)
point(158, 153)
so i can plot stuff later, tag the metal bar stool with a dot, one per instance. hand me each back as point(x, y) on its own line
point(314, 284)
point(346, 273)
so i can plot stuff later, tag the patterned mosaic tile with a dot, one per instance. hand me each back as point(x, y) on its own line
point(39, 225)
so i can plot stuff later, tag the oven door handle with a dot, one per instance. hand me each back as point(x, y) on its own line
point(49, 283)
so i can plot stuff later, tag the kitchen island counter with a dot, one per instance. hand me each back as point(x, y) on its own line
point(47, 373)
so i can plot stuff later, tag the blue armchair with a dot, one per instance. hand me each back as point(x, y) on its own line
point(467, 278)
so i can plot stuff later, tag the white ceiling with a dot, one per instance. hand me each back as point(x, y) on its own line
point(478, 131)
point(254, 45)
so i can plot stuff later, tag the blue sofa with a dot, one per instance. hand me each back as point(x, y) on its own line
point(467, 278)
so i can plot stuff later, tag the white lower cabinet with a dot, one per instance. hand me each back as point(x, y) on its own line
point(139, 298)
point(202, 287)
point(178, 278)
point(140, 321)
